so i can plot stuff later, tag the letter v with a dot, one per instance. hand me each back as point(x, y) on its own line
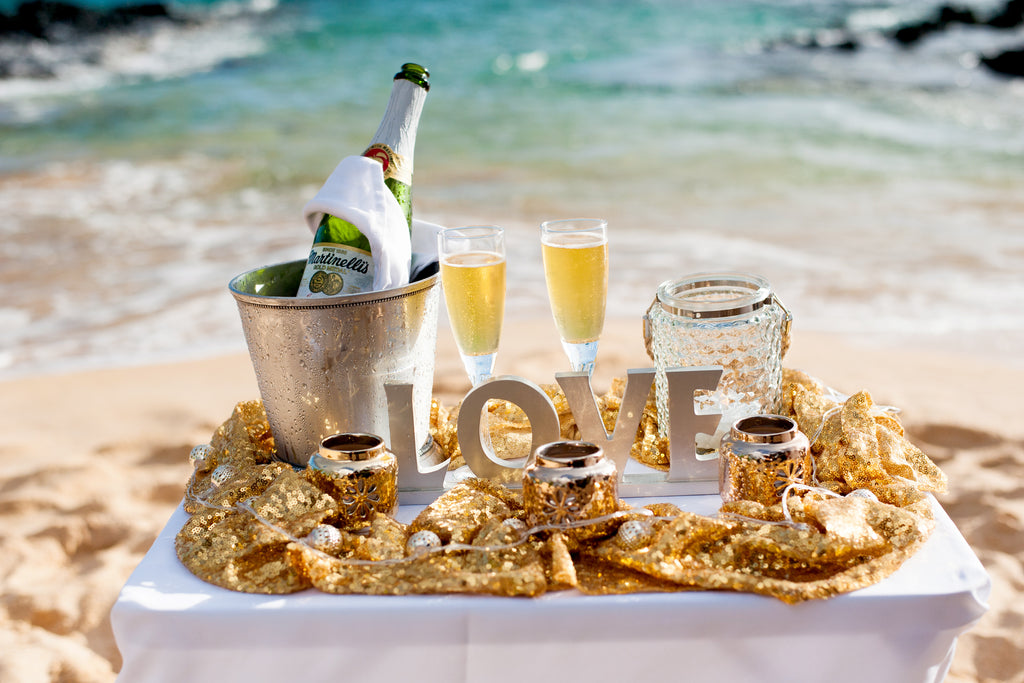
point(583, 405)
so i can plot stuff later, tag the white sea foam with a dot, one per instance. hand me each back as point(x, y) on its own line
point(145, 278)
point(144, 275)
point(155, 50)
point(876, 190)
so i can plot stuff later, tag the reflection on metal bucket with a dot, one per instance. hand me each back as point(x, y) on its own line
point(321, 364)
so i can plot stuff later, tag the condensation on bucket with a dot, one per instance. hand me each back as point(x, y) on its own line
point(322, 364)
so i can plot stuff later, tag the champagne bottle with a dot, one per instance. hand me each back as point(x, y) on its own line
point(340, 261)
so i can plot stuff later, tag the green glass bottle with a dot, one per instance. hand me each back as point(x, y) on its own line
point(340, 261)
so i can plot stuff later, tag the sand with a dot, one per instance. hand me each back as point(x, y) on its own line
point(93, 463)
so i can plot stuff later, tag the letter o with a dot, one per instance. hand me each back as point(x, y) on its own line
point(531, 399)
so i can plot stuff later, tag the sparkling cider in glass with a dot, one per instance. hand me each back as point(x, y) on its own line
point(576, 270)
point(473, 277)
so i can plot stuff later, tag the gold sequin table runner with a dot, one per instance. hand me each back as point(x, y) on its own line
point(171, 626)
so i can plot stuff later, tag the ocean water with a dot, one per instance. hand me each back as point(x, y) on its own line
point(880, 189)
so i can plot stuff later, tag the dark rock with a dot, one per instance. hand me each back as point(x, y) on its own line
point(38, 18)
point(944, 17)
point(126, 16)
point(836, 40)
point(911, 33)
point(1011, 16)
point(827, 39)
point(56, 21)
point(948, 14)
point(1008, 63)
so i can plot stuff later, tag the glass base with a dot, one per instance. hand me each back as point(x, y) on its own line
point(479, 368)
point(581, 355)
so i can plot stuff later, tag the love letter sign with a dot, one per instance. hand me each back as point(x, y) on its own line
point(422, 478)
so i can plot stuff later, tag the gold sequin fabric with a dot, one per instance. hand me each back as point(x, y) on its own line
point(857, 445)
point(845, 544)
point(234, 550)
point(495, 561)
point(247, 526)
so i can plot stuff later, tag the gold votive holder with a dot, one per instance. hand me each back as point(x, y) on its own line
point(359, 472)
point(760, 457)
point(568, 482)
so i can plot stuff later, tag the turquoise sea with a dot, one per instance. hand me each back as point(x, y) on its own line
point(878, 184)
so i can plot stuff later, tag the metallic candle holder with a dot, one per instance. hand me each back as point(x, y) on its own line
point(569, 481)
point(359, 472)
point(760, 457)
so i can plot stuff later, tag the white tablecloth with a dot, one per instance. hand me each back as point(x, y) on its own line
point(170, 626)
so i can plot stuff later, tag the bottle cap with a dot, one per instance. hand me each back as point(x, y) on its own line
point(415, 73)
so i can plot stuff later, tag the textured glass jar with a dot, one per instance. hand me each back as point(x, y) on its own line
point(731, 320)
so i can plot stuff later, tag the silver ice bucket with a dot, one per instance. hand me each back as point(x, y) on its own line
point(322, 364)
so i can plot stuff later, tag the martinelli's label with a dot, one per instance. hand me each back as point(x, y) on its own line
point(336, 269)
point(394, 165)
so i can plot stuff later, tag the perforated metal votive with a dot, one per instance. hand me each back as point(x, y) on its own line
point(359, 472)
point(569, 481)
point(760, 457)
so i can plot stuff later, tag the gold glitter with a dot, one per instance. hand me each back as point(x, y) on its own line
point(458, 514)
point(761, 479)
point(359, 492)
point(817, 546)
point(864, 541)
point(564, 495)
point(443, 429)
point(561, 570)
point(233, 550)
point(516, 570)
point(650, 448)
point(860, 446)
point(595, 577)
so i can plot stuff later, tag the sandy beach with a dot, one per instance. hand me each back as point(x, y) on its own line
point(92, 464)
point(874, 181)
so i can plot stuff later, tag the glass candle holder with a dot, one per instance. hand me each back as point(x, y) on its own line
point(567, 482)
point(730, 320)
point(359, 472)
point(760, 457)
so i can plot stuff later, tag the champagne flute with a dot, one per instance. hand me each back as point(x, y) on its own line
point(473, 276)
point(575, 255)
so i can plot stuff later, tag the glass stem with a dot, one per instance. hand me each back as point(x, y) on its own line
point(479, 368)
point(581, 355)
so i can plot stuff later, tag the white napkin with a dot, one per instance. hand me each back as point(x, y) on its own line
point(355, 191)
point(424, 247)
